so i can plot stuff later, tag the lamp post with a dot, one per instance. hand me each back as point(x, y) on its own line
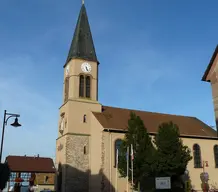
point(5, 120)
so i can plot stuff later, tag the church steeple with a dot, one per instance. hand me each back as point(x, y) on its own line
point(82, 46)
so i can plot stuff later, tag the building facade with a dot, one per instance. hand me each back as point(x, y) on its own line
point(24, 168)
point(89, 133)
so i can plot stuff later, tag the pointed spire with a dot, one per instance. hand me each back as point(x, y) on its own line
point(82, 46)
point(83, 2)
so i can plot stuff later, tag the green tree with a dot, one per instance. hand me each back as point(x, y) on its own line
point(4, 175)
point(138, 136)
point(172, 156)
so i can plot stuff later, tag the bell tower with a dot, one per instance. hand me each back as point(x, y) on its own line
point(81, 67)
point(80, 99)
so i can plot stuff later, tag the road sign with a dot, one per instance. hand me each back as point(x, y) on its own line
point(162, 183)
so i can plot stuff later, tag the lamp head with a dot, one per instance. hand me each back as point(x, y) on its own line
point(16, 124)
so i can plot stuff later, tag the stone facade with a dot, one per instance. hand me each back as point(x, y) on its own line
point(105, 159)
point(77, 163)
point(45, 178)
point(103, 177)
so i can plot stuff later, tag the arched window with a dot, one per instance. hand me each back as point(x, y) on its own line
point(215, 150)
point(88, 87)
point(197, 156)
point(81, 86)
point(117, 146)
point(66, 89)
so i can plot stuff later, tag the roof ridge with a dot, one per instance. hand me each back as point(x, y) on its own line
point(30, 156)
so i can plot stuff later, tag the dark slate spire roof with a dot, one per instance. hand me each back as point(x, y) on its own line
point(82, 45)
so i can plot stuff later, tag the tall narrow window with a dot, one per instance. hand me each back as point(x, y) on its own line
point(88, 86)
point(197, 156)
point(81, 86)
point(84, 118)
point(116, 147)
point(215, 150)
point(66, 89)
point(84, 150)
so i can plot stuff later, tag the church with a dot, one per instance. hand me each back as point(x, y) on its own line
point(89, 132)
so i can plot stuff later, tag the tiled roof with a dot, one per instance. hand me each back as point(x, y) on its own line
point(30, 164)
point(117, 119)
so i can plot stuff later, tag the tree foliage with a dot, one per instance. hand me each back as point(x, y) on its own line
point(172, 156)
point(166, 157)
point(138, 136)
point(4, 175)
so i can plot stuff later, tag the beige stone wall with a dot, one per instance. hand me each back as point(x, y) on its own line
point(61, 157)
point(215, 98)
point(109, 169)
point(105, 179)
point(207, 154)
point(74, 72)
point(213, 78)
point(96, 148)
point(77, 163)
point(40, 178)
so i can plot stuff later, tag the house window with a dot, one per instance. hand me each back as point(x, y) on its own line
point(88, 87)
point(197, 156)
point(12, 176)
point(81, 86)
point(45, 179)
point(118, 142)
point(215, 150)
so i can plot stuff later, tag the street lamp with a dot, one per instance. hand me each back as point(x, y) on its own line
point(5, 120)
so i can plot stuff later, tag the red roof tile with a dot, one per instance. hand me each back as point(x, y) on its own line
point(30, 164)
point(117, 118)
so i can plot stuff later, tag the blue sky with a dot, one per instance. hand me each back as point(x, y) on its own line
point(152, 56)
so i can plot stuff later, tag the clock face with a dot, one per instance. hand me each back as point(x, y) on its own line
point(86, 67)
point(67, 70)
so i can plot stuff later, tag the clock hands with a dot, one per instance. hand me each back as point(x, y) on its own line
point(86, 67)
